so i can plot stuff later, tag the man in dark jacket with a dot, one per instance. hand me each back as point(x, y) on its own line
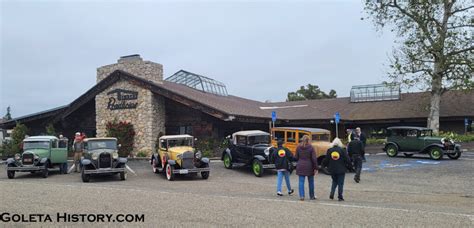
point(355, 149)
point(282, 158)
point(359, 134)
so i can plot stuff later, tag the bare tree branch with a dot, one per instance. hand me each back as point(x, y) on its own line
point(460, 10)
point(460, 51)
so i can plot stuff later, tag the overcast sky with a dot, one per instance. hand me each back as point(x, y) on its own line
point(50, 49)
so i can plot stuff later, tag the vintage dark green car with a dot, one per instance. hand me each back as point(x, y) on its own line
point(413, 140)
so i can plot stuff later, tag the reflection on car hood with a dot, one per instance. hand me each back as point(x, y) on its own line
point(431, 138)
point(102, 150)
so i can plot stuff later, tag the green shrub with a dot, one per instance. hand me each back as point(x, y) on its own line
point(375, 141)
point(50, 130)
point(142, 154)
point(18, 134)
point(211, 147)
point(125, 135)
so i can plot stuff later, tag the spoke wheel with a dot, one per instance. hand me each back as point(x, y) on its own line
point(455, 156)
point(436, 153)
point(169, 172)
point(227, 161)
point(257, 168)
point(392, 150)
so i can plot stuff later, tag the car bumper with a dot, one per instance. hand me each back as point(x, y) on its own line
point(268, 166)
point(195, 170)
point(24, 168)
point(104, 170)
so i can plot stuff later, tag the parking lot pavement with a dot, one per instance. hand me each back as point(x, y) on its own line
point(393, 192)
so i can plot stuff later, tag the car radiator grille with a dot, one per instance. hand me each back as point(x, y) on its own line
point(27, 159)
point(187, 160)
point(105, 160)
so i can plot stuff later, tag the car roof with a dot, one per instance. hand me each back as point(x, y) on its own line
point(309, 129)
point(175, 136)
point(40, 138)
point(410, 128)
point(99, 138)
point(250, 133)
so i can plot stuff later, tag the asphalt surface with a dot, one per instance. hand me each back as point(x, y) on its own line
point(394, 192)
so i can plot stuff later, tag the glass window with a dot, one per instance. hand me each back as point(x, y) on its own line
point(279, 135)
point(105, 144)
point(54, 143)
point(300, 136)
point(36, 145)
point(241, 140)
point(180, 142)
point(291, 136)
point(412, 133)
point(259, 139)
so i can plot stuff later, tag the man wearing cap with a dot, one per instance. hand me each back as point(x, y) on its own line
point(283, 158)
point(77, 148)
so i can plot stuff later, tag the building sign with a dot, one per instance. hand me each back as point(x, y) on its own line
point(122, 99)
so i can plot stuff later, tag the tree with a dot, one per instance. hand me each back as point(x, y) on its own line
point(8, 116)
point(310, 92)
point(50, 130)
point(435, 47)
point(125, 135)
point(18, 134)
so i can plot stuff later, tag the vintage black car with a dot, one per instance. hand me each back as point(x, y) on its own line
point(249, 148)
point(411, 140)
point(101, 157)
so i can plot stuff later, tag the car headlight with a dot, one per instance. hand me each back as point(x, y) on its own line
point(115, 155)
point(267, 151)
point(198, 154)
point(17, 156)
point(36, 157)
point(95, 156)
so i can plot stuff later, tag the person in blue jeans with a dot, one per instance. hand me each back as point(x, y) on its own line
point(307, 166)
point(282, 157)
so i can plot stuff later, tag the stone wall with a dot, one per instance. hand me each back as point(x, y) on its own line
point(148, 117)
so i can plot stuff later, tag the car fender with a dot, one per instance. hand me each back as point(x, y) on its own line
point(226, 151)
point(259, 157)
point(427, 148)
point(85, 162)
point(205, 160)
point(390, 143)
point(122, 160)
point(43, 160)
point(10, 161)
point(172, 162)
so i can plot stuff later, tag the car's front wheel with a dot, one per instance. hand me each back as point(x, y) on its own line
point(169, 172)
point(257, 168)
point(45, 171)
point(85, 177)
point(123, 175)
point(10, 174)
point(154, 166)
point(455, 155)
point(436, 153)
point(205, 175)
point(227, 161)
point(391, 150)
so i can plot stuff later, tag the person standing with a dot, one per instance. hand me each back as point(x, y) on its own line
point(282, 157)
point(77, 147)
point(337, 160)
point(307, 166)
point(355, 149)
point(362, 138)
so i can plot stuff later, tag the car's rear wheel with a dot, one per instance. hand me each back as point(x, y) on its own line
point(227, 161)
point(408, 155)
point(169, 172)
point(436, 153)
point(85, 177)
point(63, 168)
point(45, 171)
point(455, 155)
point(322, 169)
point(10, 174)
point(257, 168)
point(205, 175)
point(123, 175)
point(391, 150)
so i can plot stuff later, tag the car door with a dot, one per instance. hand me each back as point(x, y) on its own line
point(58, 155)
point(241, 149)
point(410, 141)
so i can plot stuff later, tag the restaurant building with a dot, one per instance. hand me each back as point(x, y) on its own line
point(133, 90)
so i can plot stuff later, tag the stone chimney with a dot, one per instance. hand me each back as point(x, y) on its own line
point(135, 65)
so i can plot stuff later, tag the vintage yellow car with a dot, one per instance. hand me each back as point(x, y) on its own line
point(291, 136)
point(176, 156)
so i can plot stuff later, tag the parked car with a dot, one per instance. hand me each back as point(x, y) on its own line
point(40, 154)
point(320, 140)
point(176, 155)
point(249, 148)
point(413, 140)
point(101, 157)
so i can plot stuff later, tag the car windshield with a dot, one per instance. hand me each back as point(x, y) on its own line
point(180, 142)
point(426, 133)
point(259, 139)
point(103, 144)
point(36, 145)
point(320, 137)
